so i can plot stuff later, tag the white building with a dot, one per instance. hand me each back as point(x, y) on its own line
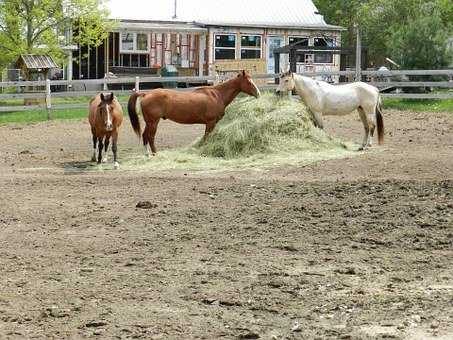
point(201, 37)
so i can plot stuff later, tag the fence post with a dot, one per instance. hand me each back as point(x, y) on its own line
point(137, 84)
point(358, 56)
point(48, 100)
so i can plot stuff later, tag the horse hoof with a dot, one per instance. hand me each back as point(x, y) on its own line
point(116, 165)
point(93, 159)
point(104, 160)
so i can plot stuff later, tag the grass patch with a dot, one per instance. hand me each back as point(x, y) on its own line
point(40, 116)
point(419, 105)
point(23, 117)
point(254, 133)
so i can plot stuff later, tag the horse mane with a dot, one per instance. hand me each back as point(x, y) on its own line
point(224, 84)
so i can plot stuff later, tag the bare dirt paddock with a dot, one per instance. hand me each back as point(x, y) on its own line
point(357, 248)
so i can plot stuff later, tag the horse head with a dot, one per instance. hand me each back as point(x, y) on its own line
point(286, 84)
point(106, 107)
point(247, 85)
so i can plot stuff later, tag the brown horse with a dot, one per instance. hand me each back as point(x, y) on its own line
point(204, 105)
point(105, 117)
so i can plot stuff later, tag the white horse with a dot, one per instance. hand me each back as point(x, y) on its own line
point(326, 99)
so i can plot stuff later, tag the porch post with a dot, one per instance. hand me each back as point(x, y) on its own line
point(106, 54)
point(69, 71)
point(201, 51)
point(358, 56)
point(292, 60)
point(277, 66)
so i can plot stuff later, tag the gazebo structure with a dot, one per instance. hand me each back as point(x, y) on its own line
point(35, 67)
point(300, 55)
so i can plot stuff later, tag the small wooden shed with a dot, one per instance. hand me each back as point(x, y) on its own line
point(35, 66)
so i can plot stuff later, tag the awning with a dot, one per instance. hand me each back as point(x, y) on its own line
point(34, 61)
point(156, 27)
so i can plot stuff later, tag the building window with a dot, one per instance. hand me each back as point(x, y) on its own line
point(323, 57)
point(303, 40)
point(142, 42)
point(250, 47)
point(225, 46)
point(134, 43)
point(134, 60)
point(127, 41)
point(323, 42)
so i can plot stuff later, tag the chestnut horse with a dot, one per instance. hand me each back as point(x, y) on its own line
point(105, 117)
point(204, 105)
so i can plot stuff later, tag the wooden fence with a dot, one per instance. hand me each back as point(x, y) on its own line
point(47, 94)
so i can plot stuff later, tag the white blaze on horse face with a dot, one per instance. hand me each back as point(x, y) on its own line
point(109, 124)
point(258, 93)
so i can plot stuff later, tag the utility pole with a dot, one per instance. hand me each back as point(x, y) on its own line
point(358, 55)
point(175, 15)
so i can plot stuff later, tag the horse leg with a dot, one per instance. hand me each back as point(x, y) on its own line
point(371, 134)
point(317, 120)
point(366, 126)
point(95, 140)
point(209, 127)
point(145, 140)
point(371, 120)
point(100, 147)
point(152, 134)
point(106, 147)
point(116, 165)
point(372, 125)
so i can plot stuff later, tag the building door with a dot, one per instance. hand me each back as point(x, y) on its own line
point(273, 43)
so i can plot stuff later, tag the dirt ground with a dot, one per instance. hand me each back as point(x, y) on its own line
point(357, 248)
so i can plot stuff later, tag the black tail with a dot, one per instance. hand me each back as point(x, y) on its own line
point(131, 109)
point(380, 122)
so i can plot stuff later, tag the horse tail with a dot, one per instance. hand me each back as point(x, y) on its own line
point(132, 110)
point(380, 121)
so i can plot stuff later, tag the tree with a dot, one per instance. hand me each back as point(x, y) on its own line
point(343, 13)
point(29, 26)
point(387, 27)
point(421, 44)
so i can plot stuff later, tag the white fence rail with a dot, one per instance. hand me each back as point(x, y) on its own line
point(46, 93)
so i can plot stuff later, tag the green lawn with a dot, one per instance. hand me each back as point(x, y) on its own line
point(415, 105)
point(41, 115)
point(419, 105)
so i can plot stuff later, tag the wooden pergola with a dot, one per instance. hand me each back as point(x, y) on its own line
point(298, 48)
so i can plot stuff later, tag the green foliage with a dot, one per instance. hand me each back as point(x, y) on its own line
point(396, 29)
point(42, 26)
point(343, 13)
point(421, 44)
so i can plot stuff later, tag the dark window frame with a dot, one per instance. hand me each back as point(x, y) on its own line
point(218, 49)
point(255, 49)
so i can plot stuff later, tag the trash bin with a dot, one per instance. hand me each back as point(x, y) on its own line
point(169, 71)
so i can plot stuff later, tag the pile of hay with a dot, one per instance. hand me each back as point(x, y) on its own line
point(263, 126)
point(254, 133)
